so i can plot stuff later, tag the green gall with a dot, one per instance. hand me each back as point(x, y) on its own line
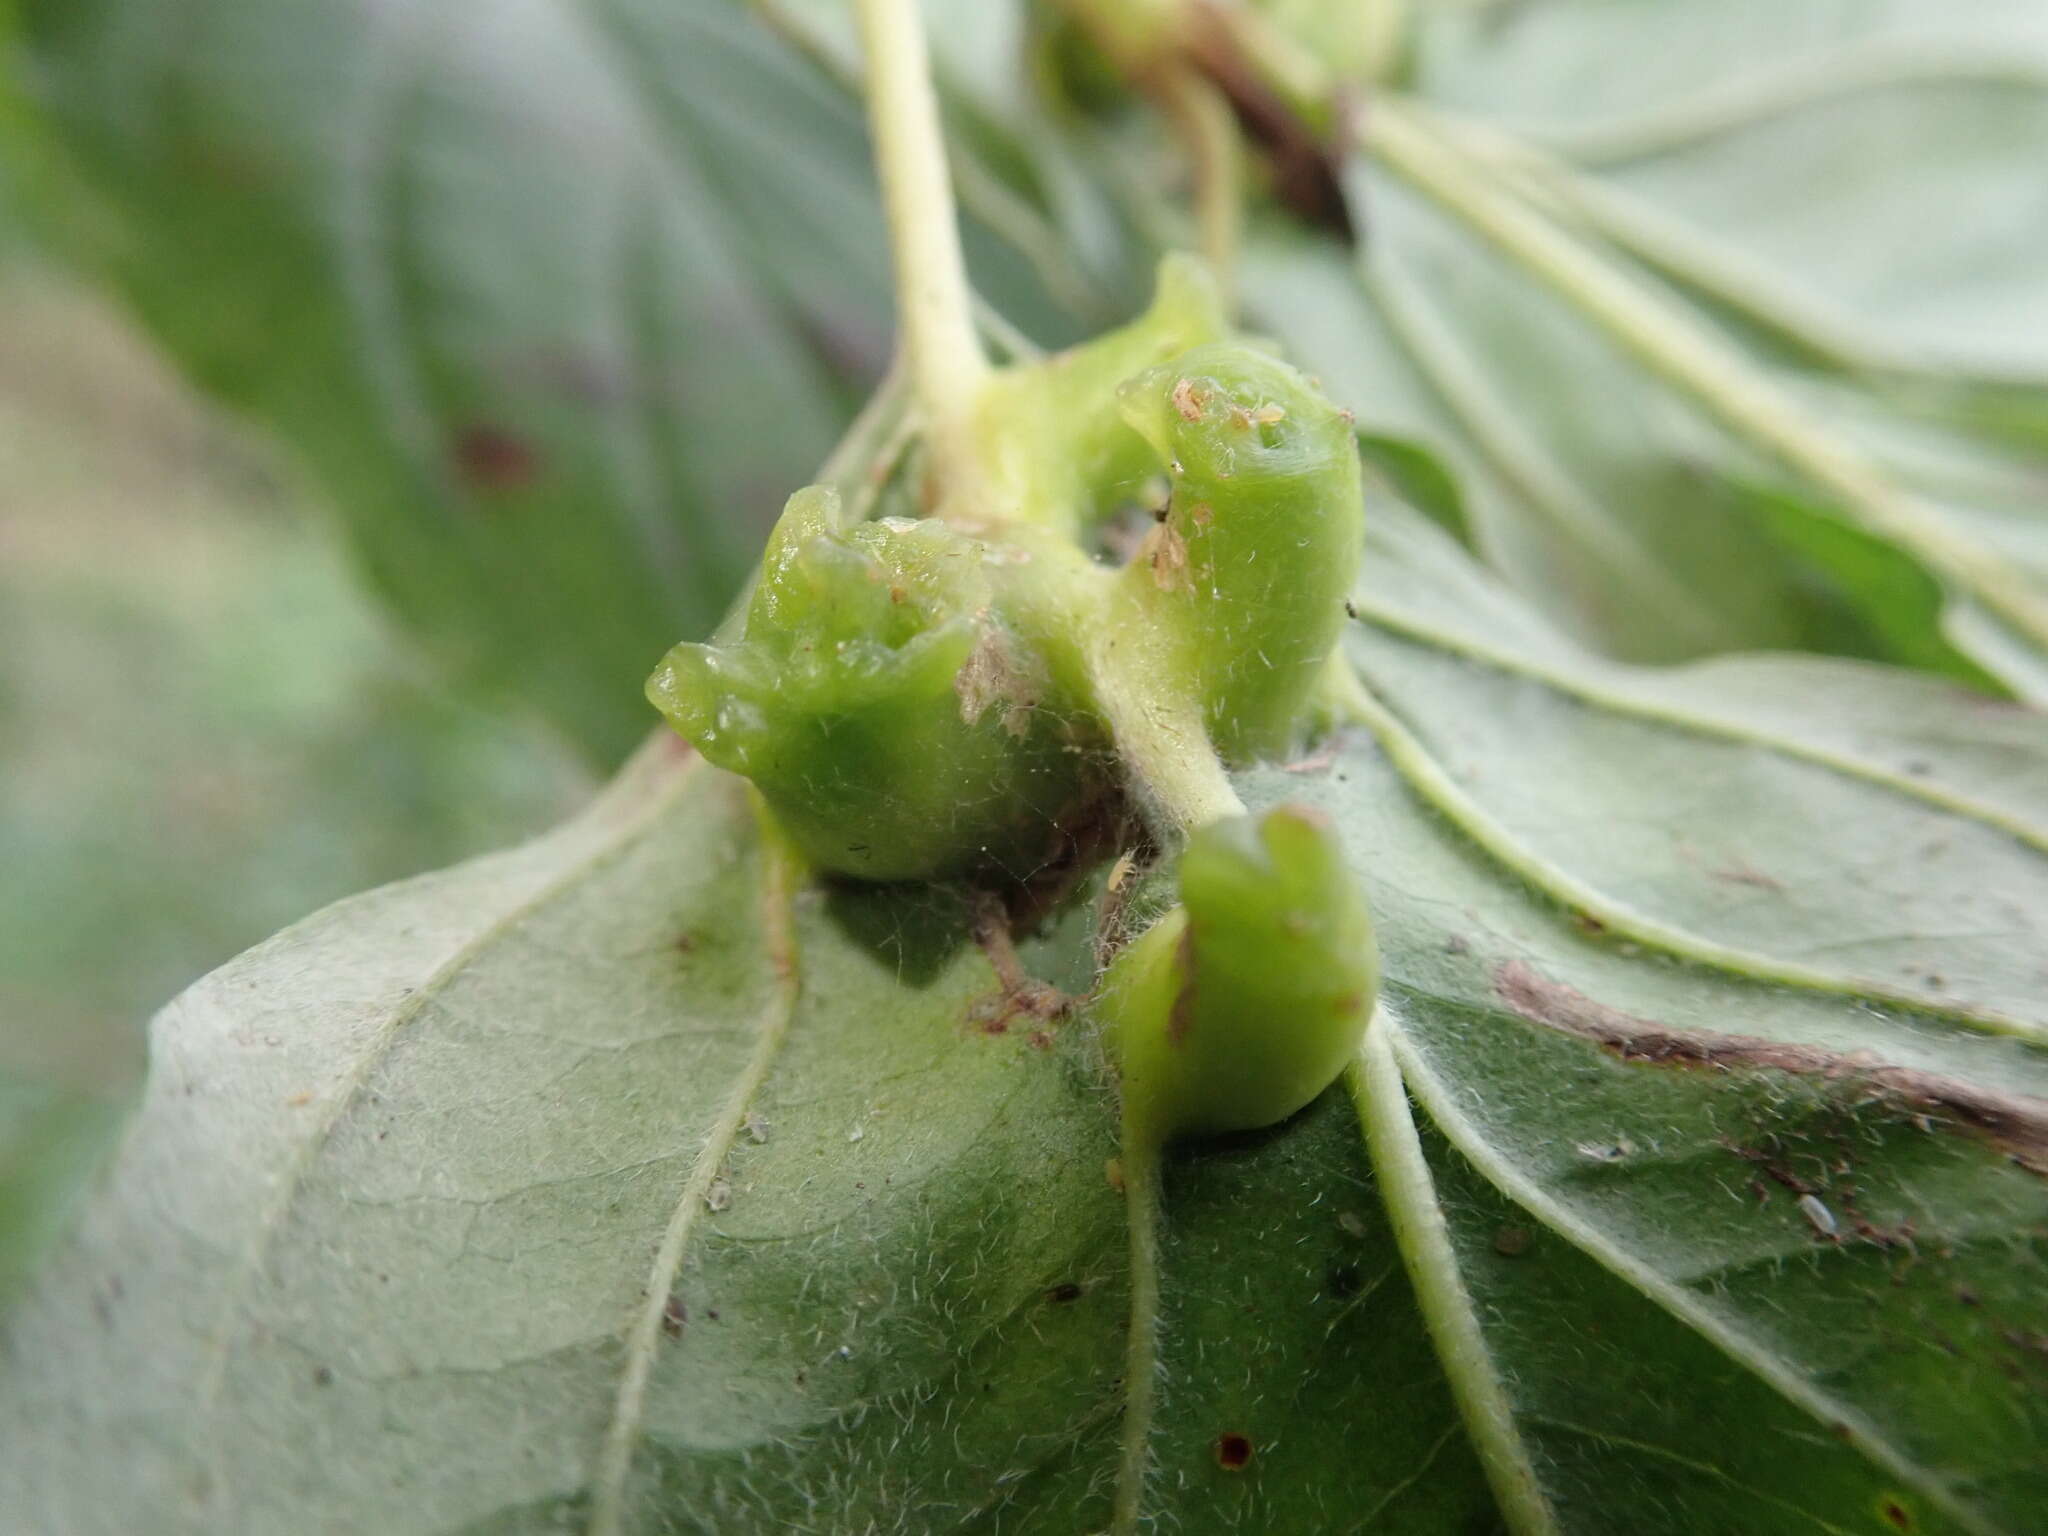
point(889, 711)
point(1058, 451)
point(1248, 998)
point(922, 697)
point(1237, 596)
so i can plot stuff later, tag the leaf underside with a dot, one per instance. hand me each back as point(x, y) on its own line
point(1744, 1255)
point(1890, 319)
point(1714, 993)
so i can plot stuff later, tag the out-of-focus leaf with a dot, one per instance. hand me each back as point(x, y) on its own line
point(558, 300)
point(1615, 258)
point(203, 732)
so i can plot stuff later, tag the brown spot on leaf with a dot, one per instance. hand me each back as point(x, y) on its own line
point(2016, 1123)
point(1512, 1242)
point(490, 458)
point(673, 1315)
point(1233, 1451)
point(1188, 400)
point(1064, 1292)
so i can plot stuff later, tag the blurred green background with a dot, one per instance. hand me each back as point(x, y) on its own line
point(207, 730)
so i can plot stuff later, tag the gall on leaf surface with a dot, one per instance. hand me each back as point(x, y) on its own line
point(1673, 961)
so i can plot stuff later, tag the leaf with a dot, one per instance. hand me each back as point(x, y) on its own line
point(556, 300)
point(205, 733)
point(627, 1181)
point(1600, 279)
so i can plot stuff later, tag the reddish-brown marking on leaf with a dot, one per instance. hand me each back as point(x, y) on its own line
point(1745, 874)
point(1233, 1451)
point(491, 459)
point(1018, 994)
point(1181, 1018)
point(1316, 762)
point(2016, 1123)
point(673, 1315)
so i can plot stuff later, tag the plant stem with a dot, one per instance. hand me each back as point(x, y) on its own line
point(1423, 1237)
point(1699, 363)
point(1141, 1157)
point(1203, 120)
point(1162, 738)
point(934, 310)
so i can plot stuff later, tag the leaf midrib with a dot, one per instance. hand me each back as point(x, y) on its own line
point(1434, 784)
point(1844, 1423)
point(1409, 627)
point(779, 877)
point(270, 1224)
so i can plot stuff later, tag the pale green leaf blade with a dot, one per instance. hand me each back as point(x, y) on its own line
point(418, 1183)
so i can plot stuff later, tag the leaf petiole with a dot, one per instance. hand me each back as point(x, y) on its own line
point(935, 311)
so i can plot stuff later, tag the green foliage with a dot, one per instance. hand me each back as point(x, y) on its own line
point(204, 730)
point(1698, 1213)
point(1621, 262)
point(1692, 1172)
point(557, 302)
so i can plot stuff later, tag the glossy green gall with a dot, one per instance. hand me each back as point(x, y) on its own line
point(879, 696)
point(1248, 998)
point(1237, 596)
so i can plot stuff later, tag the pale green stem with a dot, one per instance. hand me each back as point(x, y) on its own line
point(1690, 356)
point(982, 193)
point(1424, 1240)
point(854, 457)
point(1683, 251)
point(1275, 59)
point(1162, 737)
point(1141, 1160)
point(934, 311)
point(1204, 122)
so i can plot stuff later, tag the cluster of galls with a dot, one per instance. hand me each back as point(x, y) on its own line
point(917, 698)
